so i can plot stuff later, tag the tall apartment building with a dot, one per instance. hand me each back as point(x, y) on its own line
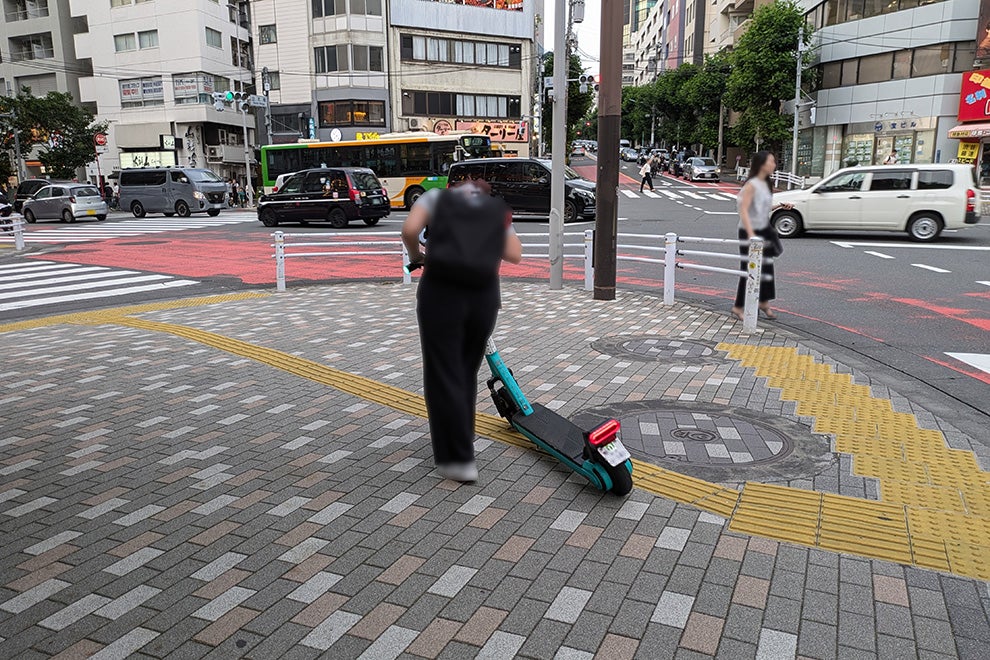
point(674, 32)
point(891, 74)
point(36, 39)
point(729, 19)
point(341, 69)
point(155, 65)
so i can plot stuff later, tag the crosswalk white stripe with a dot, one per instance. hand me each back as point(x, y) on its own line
point(37, 302)
point(979, 360)
point(59, 279)
point(24, 264)
point(692, 195)
point(983, 283)
point(650, 193)
point(630, 194)
point(35, 276)
point(78, 286)
point(670, 194)
point(31, 268)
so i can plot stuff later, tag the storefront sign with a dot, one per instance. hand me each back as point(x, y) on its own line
point(152, 89)
point(130, 90)
point(974, 99)
point(509, 5)
point(129, 159)
point(367, 136)
point(983, 32)
point(442, 127)
point(498, 131)
point(968, 152)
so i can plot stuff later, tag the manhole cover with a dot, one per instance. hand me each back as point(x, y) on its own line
point(717, 443)
point(647, 348)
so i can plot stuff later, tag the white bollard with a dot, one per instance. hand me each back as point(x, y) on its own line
point(279, 261)
point(406, 275)
point(669, 267)
point(754, 276)
point(589, 259)
point(18, 226)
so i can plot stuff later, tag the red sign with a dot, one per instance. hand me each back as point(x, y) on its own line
point(498, 131)
point(100, 139)
point(974, 99)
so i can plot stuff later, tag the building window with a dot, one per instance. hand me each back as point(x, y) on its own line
point(122, 42)
point(142, 92)
point(834, 12)
point(875, 68)
point(931, 60)
point(849, 68)
point(331, 58)
point(323, 8)
point(21, 10)
point(274, 81)
point(126, 3)
point(902, 64)
point(352, 113)
point(965, 56)
point(267, 34)
point(367, 58)
point(214, 38)
point(191, 88)
point(366, 7)
point(466, 106)
point(148, 39)
point(428, 49)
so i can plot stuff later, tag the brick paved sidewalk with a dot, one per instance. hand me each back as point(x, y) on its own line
point(179, 496)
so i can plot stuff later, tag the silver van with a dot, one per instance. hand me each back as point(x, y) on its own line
point(172, 191)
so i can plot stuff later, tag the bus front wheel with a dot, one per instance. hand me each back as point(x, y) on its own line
point(412, 195)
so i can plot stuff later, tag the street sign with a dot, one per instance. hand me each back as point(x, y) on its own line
point(100, 139)
point(167, 142)
point(258, 101)
point(547, 82)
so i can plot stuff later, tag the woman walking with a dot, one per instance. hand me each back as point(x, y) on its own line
point(646, 171)
point(755, 204)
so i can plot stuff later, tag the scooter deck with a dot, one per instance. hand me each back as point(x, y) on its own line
point(554, 430)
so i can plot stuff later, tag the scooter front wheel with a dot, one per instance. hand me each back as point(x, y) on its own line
point(621, 476)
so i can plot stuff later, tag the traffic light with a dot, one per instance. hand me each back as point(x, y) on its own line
point(237, 99)
point(596, 79)
point(583, 82)
point(219, 101)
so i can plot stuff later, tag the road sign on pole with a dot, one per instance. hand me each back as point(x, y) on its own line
point(256, 101)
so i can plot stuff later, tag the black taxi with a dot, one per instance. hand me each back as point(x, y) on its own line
point(336, 195)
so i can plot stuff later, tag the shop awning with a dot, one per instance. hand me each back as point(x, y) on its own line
point(975, 130)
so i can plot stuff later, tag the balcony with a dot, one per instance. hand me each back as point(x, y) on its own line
point(23, 10)
point(32, 47)
point(741, 30)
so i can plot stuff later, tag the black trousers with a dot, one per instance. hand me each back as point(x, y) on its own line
point(454, 324)
point(768, 290)
point(647, 181)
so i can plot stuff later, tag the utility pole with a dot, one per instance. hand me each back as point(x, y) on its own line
point(19, 161)
point(559, 146)
point(609, 127)
point(266, 85)
point(721, 132)
point(797, 100)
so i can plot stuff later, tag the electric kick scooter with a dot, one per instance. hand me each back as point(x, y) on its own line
point(597, 454)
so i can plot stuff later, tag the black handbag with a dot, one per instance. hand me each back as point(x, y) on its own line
point(772, 246)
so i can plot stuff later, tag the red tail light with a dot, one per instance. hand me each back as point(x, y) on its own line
point(970, 201)
point(275, 189)
point(354, 194)
point(605, 433)
point(72, 200)
point(384, 193)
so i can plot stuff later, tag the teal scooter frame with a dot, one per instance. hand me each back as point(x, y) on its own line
point(598, 454)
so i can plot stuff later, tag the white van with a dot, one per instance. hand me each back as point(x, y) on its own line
point(172, 191)
point(919, 199)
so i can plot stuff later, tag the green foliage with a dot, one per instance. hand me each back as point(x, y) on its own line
point(763, 67)
point(578, 103)
point(61, 130)
point(588, 126)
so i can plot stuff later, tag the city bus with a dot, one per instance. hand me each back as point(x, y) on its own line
point(408, 164)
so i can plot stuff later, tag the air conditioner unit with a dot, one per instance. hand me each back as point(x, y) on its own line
point(214, 154)
point(223, 137)
point(415, 124)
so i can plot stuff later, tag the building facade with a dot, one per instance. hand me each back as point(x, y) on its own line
point(153, 82)
point(673, 32)
point(973, 128)
point(890, 79)
point(37, 40)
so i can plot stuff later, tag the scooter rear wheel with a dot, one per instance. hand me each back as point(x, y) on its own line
point(621, 478)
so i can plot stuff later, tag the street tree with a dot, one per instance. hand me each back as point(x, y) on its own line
point(702, 95)
point(578, 102)
point(763, 67)
point(61, 130)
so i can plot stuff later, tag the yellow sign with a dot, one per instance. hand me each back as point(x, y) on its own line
point(368, 136)
point(968, 152)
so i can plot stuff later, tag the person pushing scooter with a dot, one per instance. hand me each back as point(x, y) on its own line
point(470, 234)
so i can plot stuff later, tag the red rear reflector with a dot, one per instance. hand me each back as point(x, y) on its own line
point(72, 200)
point(970, 200)
point(605, 433)
point(275, 189)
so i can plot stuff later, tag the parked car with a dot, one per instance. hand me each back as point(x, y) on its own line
point(577, 150)
point(336, 195)
point(172, 191)
point(628, 154)
point(65, 202)
point(524, 184)
point(280, 181)
point(27, 188)
point(919, 199)
point(700, 169)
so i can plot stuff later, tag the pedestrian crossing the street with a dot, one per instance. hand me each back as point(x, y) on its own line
point(661, 193)
point(101, 231)
point(39, 283)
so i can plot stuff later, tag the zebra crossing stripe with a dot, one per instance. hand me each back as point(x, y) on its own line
point(69, 276)
point(650, 193)
point(76, 286)
point(36, 302)
point(692, 195)
point(125, 229)
point(670, 194)
point(19, 277)
point(630, 194)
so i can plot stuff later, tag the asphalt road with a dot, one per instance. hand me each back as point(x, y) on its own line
point(921, 311)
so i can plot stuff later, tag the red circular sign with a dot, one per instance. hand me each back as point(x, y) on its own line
point(100, 139)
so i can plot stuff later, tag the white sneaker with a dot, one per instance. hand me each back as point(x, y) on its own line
point(459, 471)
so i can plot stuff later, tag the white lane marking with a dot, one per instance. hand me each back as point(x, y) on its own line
point(650, 193)
point(983, 283)
point(931, 268)
point(979, 248)
point(979, 360)
point(879, 254)
point(7, 295)
point(63, 277)
point(630, 194)
point(20, 304)
point(20, 269)
point(670, 194)
point(720, 213)
point(692, 195)
point(36, 276)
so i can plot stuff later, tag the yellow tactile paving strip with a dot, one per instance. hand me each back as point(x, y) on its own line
point(935, 500)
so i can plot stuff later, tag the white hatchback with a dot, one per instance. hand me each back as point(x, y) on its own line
point(919, 199)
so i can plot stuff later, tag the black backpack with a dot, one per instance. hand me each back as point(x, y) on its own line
point(466, 238)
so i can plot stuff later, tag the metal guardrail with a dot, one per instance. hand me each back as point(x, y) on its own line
point(669, 255)
point(16, 225)
point(789, 180)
